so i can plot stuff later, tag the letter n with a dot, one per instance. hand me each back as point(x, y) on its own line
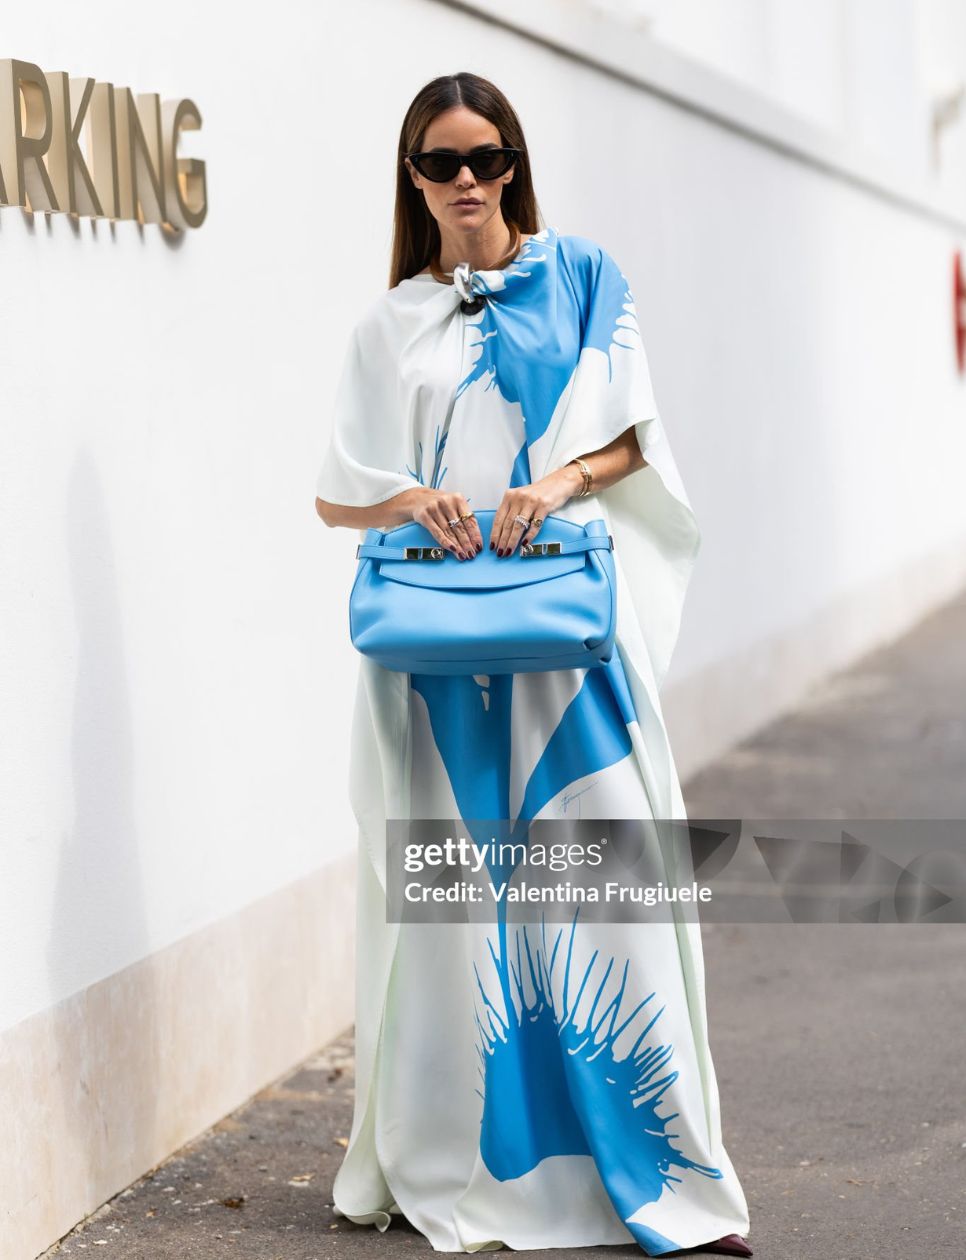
point(140, 156)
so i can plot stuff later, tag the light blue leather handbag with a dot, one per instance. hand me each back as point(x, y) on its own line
point(552, 604)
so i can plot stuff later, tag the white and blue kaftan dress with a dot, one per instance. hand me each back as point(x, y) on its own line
point(556, 1091)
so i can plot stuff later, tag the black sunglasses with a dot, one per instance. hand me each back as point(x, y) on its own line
point(484, 163)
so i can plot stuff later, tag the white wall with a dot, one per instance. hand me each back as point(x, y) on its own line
point(176, 676)
point(941, 48)
point(867, 70)
point(176, 671)
point(175, 665)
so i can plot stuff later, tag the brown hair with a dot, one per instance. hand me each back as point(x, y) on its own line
point(415, 236)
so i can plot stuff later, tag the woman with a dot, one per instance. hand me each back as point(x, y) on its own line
point(504, 369)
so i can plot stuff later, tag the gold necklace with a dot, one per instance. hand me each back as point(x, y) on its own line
point(441, 275)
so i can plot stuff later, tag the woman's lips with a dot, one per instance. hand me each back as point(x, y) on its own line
point(467, 204)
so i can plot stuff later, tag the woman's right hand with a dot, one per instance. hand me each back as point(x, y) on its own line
point(434, 509)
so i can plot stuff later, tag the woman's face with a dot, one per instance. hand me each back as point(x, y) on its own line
point(461, 130)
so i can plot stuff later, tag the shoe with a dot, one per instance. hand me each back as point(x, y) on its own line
point(729, 1245)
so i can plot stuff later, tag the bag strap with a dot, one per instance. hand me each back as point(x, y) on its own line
point(593, 542)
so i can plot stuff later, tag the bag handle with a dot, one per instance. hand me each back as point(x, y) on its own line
point(593, 542)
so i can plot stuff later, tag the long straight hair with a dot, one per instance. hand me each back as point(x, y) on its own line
point(415, 235)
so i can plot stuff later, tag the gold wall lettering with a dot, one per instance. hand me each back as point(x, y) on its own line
point(129, 167)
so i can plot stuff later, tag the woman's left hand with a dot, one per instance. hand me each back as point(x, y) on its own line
point(535, 502)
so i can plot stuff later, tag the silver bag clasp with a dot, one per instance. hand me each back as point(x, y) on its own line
point(422, 553)
point(540, 549)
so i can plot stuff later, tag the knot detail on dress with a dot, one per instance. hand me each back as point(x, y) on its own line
point(471, 288)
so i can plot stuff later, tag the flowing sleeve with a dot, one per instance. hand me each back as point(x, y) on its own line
point(366, 459)
point(656, 535)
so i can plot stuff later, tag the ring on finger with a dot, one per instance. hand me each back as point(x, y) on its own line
point(522, 520)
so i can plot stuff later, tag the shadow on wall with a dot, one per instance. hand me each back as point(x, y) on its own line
point(98, 910)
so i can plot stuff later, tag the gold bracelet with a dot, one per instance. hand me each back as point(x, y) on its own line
point(587, 475)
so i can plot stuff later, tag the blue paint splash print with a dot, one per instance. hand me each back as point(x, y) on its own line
point(437, 473)
point(549, 1086)
point(553, 1081)
point(561, 1087)
point(564, 1050)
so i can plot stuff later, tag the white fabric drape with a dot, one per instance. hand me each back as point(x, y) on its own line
point(552, 367)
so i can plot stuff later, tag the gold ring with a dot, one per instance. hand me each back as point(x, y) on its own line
point(465, 516)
